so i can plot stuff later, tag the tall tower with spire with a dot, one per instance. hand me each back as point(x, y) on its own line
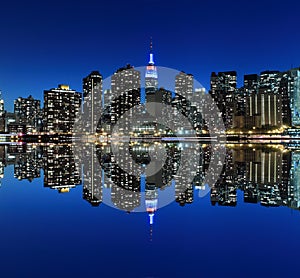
point(1, 104)
point(151, 77)
point(2, 114)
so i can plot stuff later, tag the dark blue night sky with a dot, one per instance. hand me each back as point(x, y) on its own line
point(44, 43)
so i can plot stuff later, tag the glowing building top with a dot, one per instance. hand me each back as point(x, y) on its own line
point(151, 77)
point(151, 61)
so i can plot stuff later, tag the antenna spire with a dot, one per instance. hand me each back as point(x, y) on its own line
point(151, 61)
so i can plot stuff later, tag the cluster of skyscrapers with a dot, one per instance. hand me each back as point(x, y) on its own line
point(269, 101)
point(265, 102)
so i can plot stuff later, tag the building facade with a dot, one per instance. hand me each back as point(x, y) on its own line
point(92, 101)
point(151, 75)
point(61, 106)
point(222, 89)
point(28, 112)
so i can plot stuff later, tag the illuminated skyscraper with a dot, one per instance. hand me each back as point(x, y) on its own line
point(28, 112)
point(184, 91)
point(151, 76)
point(61, 106)
point(2, 114)
point(125, 91)
point(269, 81)
point(251, 83)
point(222, 90)
point(1, 105)
point(264, 110)
point(293, 87)
point(92, 102)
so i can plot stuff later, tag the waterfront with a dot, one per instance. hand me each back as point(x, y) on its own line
point(247, 224)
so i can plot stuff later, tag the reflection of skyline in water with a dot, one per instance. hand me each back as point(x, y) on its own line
point(266, 174)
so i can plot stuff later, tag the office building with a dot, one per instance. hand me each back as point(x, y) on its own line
point(222, 90)
point(61, 106)
point(151, 75)
point(28, 112)
point(92, 101)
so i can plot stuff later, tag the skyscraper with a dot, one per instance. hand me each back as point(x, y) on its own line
point(151, 76)
point(184, 90)
point(125, 80)
point(28, 112)
point(241, 118)
point(184, 84)
point(264, 110)
point(2, 114)
point(1, 105)
point(61, 106)
point(251, 83)
point(294, 91)
point(222, 90)
point(92, 101)
point(125, 90)
point(285, 93)
point(269, 81)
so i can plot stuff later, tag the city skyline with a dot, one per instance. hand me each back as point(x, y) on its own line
point(240, 81)
point(267, 102)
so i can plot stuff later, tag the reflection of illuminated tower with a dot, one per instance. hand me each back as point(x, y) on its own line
point(293, 88)
point(92, 187)
point(2, 161)
point(294, 188)
point(60, 169)
point(28, 163)
point(224, 192)
point(125, 188)
point(151, 78)
point(151, 200)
